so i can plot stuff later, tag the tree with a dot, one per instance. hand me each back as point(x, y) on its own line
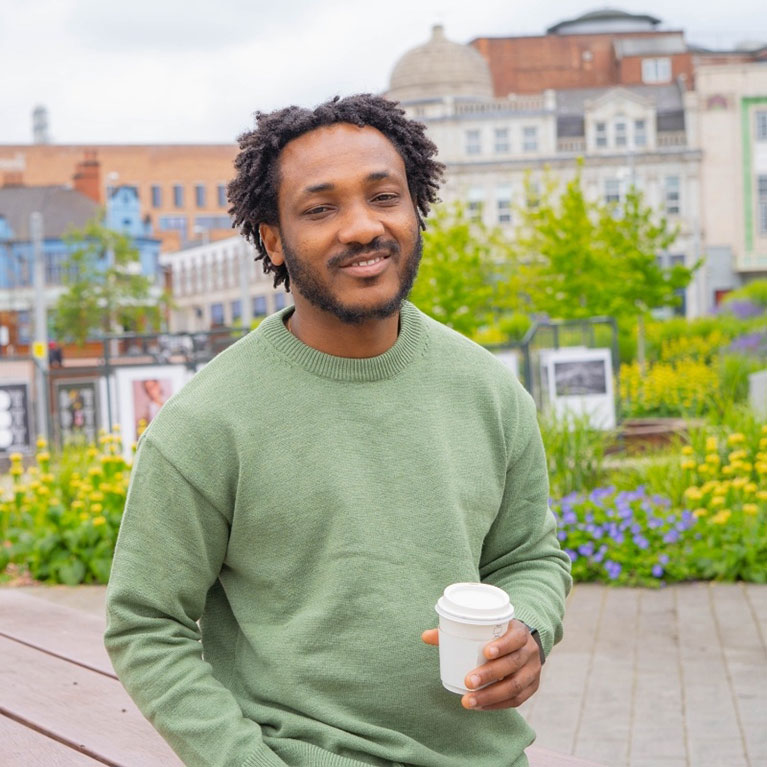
point(105, 290)
point(459, 281)
point(578, 258)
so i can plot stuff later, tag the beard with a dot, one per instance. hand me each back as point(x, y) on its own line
point(306, 279)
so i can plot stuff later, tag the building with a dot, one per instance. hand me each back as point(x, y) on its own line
point(62, 210)
point(220, 284)
point(626, 133)
point(181, 188)
point(732, 128)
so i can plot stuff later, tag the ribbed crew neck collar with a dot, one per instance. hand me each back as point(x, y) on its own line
point(411, 341)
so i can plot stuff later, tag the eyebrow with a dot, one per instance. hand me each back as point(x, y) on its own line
point(378, 175)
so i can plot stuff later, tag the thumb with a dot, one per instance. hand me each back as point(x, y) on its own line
point(431, 636)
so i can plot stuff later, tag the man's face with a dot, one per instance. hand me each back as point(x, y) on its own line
point(348, 230)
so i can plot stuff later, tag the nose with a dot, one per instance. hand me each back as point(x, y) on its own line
point(360, 225)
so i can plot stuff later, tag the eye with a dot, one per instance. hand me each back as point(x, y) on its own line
point(386, 198)
point(317, 210)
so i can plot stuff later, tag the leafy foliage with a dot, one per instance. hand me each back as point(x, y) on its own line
point(105, 290)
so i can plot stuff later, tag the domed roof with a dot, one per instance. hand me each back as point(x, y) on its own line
point(440, 68)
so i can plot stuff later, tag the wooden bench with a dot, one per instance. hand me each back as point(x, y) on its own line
point(61, 704)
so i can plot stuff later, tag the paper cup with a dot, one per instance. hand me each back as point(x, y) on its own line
point(470, 616)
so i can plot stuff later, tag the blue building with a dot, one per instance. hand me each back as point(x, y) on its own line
point(63, 210)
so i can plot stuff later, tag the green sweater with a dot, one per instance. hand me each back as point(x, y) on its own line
point(308, 511)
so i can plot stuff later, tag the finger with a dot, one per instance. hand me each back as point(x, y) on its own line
point(515, 638)
point(495, 670)
point(431, 636)
point(506, 690)
point(513, 702)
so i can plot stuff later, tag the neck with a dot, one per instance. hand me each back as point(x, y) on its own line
point(326, 333)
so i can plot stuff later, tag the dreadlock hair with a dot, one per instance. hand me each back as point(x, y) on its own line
point(253, 192)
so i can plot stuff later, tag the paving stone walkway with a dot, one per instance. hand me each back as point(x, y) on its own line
point(669, 678)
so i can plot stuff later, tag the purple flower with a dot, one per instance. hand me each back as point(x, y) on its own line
point(663, 559)
point(613, 568)
point(672, 536)
point(586, 549)
point(570, 553)
point(641, 542)
point(569, 517)
point(657, 571)
point(562, 535)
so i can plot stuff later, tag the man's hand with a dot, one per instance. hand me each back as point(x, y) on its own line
point(514, 665)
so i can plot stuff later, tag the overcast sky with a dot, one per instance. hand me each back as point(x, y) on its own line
point(195, 71)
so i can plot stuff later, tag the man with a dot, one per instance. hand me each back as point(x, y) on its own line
point(310, 493)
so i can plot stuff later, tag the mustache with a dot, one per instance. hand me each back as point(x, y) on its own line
point(374, 247)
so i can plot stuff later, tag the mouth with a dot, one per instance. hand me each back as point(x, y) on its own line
point(366, 265)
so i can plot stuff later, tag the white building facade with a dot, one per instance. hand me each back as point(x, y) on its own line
point(220, 284)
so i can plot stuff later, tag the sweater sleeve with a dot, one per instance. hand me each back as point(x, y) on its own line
point(169, 552)
point(521, 553)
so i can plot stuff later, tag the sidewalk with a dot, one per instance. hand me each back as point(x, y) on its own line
point(669, 678)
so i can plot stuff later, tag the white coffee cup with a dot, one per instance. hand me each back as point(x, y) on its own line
point(470, 616)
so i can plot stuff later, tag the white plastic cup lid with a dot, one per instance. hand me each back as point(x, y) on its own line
point(478, 603)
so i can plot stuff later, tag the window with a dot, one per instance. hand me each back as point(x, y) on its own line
point(279, 301)
point(172, 224)
point(473, 142)
point(476, 201)
point(503, 204)
point(530, 138)
point(612, 191)
point(53, 268)
point(221, 195)
point(216, 314)
point(620, 133)
point(672, 195)
point(259, 306)
point(236, 310)
point(600, 134)
point(761, 126)
point(640, 133)
point(656, 70)
point(533, 194)
point(178, 195)
point(501, 140)
point(24, 327)
point(199, 195)
point(762, 189)
point(156, 196)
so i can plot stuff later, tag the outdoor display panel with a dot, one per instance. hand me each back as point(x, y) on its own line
point(15, 417)
point(579, 382)
point(141, 392)
point(77, 408)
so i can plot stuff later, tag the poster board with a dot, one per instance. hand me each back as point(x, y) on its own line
point(579, 382)
point(15, 418)
point(78, 414)
point(141, 392)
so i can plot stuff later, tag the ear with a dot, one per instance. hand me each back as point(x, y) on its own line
point(270, 236)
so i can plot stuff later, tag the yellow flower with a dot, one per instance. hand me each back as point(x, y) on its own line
point(749, 488)
point(717, 500)
point(721, 489)
point(34, 485)
point(96, 496)
point(47, 478)
point(764, 429)
point(739, 482)
point(735, 439)
point(727, 470)
point(96, 508)
point(77, 504)
point(750, 508)
point(99, 521)
point(83, 516)
point(763, 443)
point(761, 467)
point(693, 493)
point(762, 495)
point(688, 464)
point(701, 512)
point(711, 444)
point(15, 457)
point(703, 468)
point(721, 517)
point(736, 455)
point(44, 456)
point(687, 450)
point(16, 470)
point(713, 458)
point(746, 467)
point(116, 428)
point(95, 471)
point(44, 490)
point(41, 443)
point(92, 452)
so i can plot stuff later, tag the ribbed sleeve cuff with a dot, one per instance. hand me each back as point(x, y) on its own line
point(264, 757)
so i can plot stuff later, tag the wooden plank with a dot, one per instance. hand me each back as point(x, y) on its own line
point(62, 631)
point(541, 757)
point(76, 706)
point(23, 747)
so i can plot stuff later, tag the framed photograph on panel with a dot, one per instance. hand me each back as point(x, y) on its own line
point(141, 392)
point(15, 418)
point(77, 410)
